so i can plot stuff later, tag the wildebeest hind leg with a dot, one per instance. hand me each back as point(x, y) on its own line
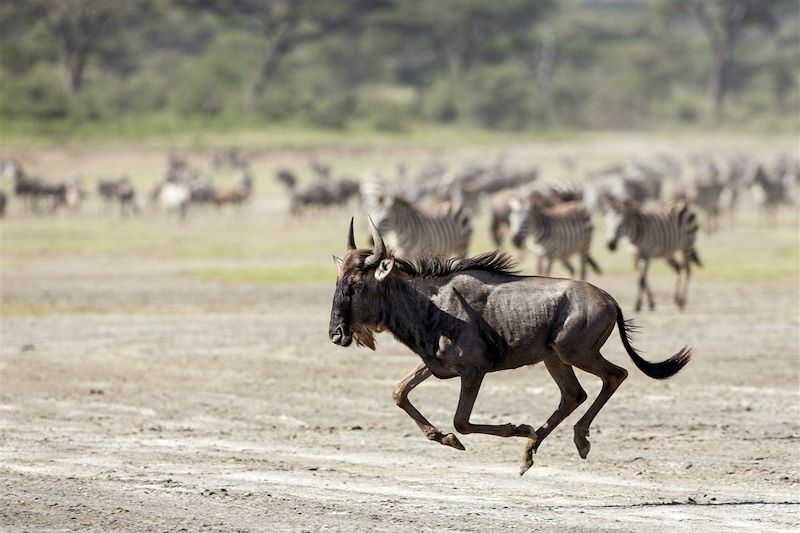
point(572, 395)
point(400, 396)
point(612, 376)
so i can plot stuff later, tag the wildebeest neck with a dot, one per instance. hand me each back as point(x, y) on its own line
point(410, 314)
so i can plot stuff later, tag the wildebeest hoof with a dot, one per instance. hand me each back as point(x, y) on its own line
point(452, 441)
point(527, 455)
point(581, 442)
point(448, 440)
point(527, 463)
point(524, 430)
point(584, 451)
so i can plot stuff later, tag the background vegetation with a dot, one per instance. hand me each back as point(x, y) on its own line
point(97, 68)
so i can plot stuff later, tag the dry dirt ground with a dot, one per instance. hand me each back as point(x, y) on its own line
point(135, 397)
point(248, 418)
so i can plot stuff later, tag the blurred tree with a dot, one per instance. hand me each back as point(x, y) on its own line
point(287, 24)
point(430, 40)
point(77, 26)
point(723, 22)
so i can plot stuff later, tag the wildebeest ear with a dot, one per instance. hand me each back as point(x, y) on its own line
point(384, 268)
point(338, 262)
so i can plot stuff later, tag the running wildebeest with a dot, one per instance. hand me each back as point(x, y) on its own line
point(469, 317)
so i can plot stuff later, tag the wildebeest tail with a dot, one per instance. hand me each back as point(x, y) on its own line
point(661, 370)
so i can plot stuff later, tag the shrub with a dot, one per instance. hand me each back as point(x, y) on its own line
point(36, 95)
point(497, 97)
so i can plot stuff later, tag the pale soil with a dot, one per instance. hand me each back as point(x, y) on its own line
point(179, 404)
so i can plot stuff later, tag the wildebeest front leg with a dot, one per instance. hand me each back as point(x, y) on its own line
point(572, 395)
point(400, 396)
point(470, 385)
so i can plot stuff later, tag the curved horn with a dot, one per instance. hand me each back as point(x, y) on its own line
point(351, 240)
point(380, 249)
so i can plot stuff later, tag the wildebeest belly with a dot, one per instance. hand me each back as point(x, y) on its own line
point(515, 319)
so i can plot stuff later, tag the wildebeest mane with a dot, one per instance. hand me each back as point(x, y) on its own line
point(437, 267)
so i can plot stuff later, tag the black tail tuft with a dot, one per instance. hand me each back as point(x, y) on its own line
point(661, 370)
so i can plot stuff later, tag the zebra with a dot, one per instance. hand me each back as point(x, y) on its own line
point(657, 234)
point(120, 191)
point(770, 193)
point(442, 232)
point(557, 232)
point(708, 197)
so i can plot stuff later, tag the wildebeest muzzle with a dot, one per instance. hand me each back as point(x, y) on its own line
point(340, 335)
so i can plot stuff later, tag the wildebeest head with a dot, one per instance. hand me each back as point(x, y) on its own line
point(356, 312)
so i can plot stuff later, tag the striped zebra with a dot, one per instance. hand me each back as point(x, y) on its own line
point(552, 233)
point(659, 234)
point(709, 198)
point(770, 193)
point(443, 232)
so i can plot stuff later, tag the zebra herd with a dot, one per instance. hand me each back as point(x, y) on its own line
point(657, 204)
point(184, 185)
point(40, 195)
point(430, 216)
point(181, 187)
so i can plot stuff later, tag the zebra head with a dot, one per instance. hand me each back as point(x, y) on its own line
point(615, 219)
point(10, 169)
point(519, 221)
point(356, 312)
point(380, 210)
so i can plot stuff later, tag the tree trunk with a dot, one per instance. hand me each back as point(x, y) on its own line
point(718, 85)
point(269, 66)
point(73, 73)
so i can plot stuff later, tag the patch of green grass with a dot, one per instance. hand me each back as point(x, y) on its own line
point(240, 130)
point(772, 258)
point(774, 263)
point(32, 309)
point(269, 274)
point(204, 238)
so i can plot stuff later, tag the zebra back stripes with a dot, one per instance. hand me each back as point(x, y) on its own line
point(657, 234)
point(554, 233)
point(444, 232)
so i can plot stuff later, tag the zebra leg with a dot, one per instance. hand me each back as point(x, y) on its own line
point(687, 268)
point(548, 266)
point(678, 284)
point(569, 267)
point(644, 288)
